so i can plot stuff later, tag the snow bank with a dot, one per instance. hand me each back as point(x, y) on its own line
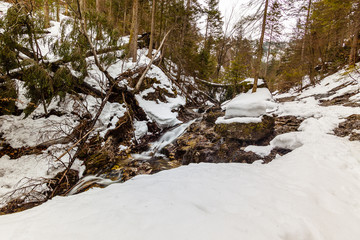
point(311, 193)
point(250, 104)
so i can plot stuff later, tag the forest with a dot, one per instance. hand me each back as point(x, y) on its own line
point(143, 113)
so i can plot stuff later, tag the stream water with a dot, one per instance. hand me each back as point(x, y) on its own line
point(154, 152)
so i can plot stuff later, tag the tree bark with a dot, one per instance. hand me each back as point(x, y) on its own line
point(355, 40)
point(268, 52)
point(354, 47)
point(134, 31)
point(47, 14)
point(152, 34)
point(99, 8)
point(306, 30)
point(57, 3)
point(260, 48)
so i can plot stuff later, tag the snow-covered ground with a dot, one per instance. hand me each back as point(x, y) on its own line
point(311, 193)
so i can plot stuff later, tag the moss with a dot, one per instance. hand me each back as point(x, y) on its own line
point(96, 162)
point(211, 117)
point(246, 131)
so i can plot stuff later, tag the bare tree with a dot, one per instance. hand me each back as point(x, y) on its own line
point(134, 31)
point(47, 14)
point(152, 33)
point(260, 48)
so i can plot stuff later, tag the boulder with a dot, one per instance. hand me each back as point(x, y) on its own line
point(247, 131)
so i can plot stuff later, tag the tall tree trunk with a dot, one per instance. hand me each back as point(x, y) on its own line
point(82, 6)
point(134, 31)
point(98, 6)
point(152, 34)
point(268, 52)
point(57, 3)
point(355, 40)
point(260, 48)
point(161, 22)
point(125, 19)
point(312, 62)
point(354, 47)
point(110, 13)
point(47, 14)
point(306, 30)
point(99, 9)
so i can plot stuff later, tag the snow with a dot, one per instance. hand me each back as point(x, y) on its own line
point(20, 132)
point(250, 104)
point(356, 131)
point(4, 6)
point(223, 120)
point(310, 193)
point(161, 113)
point(23, 171)
point(262, 151)
point(251, 81)
point(343, 77)
point(141, 129)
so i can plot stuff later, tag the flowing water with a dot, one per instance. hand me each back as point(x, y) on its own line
point(153, 153)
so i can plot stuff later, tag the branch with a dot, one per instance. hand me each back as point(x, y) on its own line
point(138, 85)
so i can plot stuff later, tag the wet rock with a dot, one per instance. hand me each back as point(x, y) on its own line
point(351, 127)
point(287, 124)
point(340, 100)
point(135, 168)
point(211, 116)
point(247, 131)
point(187, 114)
point(286, 99)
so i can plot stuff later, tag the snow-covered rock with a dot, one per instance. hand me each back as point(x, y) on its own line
point(250, 104)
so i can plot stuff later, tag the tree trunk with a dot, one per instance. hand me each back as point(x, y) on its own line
point(305, 31)
point(57, 3)
point(83, 10)
point(124, 19)
point(354, 47)
point(268, 52)
point(47, 14)
point(134, 31)
point(110, 12)
point(260, 48)
point(152, 34)
point(161, 22)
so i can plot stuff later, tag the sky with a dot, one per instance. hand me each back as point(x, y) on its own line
point(238, 9)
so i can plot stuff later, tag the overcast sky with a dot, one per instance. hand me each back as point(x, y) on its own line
point(240, 9)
